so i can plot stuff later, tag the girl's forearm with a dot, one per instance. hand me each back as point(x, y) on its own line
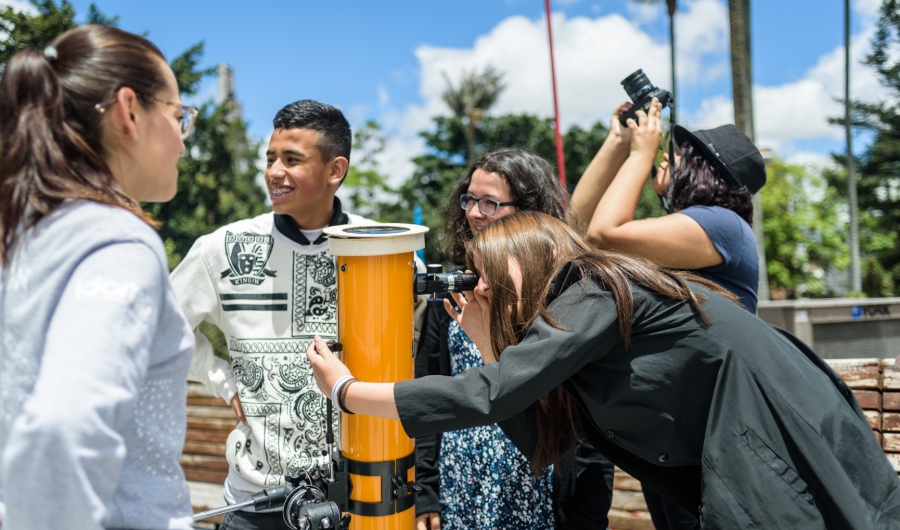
point(618, 204)
point(597, 178)
point(372, 399)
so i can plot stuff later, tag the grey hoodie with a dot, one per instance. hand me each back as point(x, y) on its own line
point(94, 358)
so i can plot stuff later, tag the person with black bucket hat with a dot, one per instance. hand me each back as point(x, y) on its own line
point(709, 202)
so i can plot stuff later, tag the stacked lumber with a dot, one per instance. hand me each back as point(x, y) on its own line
point(629, 510)
point(209, 422)
point(864, 377)
point(890, 421)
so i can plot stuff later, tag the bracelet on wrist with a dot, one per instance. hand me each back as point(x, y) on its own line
point(337, 392)
point(342, 396)
point(336, 389)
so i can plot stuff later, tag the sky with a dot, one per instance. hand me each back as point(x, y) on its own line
point(389, 61)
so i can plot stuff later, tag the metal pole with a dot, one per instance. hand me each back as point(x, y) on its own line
point(855, 273)
point(672, 5)
point(742, 83)
point(560, 156)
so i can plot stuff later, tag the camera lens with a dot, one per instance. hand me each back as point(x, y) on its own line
point(636, 85)
point(445, 282)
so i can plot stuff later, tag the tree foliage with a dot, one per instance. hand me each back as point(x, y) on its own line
point(878, 181)
point(445, 163)
point(365, 186)
point(803, 232)
point(217, 174)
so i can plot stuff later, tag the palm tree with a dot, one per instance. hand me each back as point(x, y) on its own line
point(476, 93)
point(742, 85)
point(672, 5)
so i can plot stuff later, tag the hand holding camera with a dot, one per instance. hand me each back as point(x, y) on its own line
point(646, 131)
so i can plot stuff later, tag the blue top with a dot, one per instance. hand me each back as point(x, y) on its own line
point(734, 240)
point(486, 482)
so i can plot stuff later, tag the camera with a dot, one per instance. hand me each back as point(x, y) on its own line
point(641, 91)
point(436, 282)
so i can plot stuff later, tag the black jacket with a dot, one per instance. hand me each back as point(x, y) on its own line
point(582, 493)
point(736, 420)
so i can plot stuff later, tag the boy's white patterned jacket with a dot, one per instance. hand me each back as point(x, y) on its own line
point(270, 291)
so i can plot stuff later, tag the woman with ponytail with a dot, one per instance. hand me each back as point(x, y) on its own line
point(736, 421)
point(94, 352)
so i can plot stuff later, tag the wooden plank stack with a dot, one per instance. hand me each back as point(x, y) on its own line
point(890, 421)
point(629, 510)
point(876, 385)
point(209, 421)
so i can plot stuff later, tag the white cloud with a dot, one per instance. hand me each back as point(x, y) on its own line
point(23, 6)
point(644, 13)
point(383, 97)
point(592, 56)
point(799, 110)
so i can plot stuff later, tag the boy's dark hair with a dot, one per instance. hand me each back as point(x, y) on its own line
point(698, 183)
point(335, 137)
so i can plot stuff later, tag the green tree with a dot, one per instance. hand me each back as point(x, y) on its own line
point(878, 179)
point(367, 187)
point(216, 183)
point(217, 174)
point(23, 30)
point(803, 231)
point(475, 95)
point(445, 163)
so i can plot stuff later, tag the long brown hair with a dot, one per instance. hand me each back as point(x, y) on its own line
point(50, 130)
point(532, 238)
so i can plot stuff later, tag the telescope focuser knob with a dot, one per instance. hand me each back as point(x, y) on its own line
point(270, 498)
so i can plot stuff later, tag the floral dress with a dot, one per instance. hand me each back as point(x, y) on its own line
point(486, 483)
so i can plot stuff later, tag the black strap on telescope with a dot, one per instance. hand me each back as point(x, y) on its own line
point(397, 494)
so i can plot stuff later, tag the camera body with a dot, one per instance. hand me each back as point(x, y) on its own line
point(437, 283)
point(641, 91)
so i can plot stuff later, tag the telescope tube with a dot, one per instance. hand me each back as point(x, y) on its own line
point(375, 300)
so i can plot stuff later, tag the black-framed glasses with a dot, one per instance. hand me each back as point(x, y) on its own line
point(188, 114)
point(485, 206)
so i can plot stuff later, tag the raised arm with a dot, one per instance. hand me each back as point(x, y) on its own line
point(671, 241)
point(603, 168)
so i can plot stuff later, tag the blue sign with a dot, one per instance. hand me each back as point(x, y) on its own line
point(417, 219)
point(856, 311)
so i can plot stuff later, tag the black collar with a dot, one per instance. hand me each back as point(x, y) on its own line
point(567, 275)
point(287, 226)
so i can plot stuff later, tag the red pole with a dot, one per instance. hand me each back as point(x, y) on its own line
point(560, 157)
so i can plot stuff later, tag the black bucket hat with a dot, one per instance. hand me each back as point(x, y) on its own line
point(731, 152)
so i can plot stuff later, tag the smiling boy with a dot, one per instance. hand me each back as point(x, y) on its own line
point(269, 284)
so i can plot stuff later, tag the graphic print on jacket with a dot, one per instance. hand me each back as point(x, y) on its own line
point(247, 256)
point(273, 377)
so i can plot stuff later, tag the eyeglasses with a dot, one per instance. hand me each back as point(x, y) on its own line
point(188, 114)
point(485, 206)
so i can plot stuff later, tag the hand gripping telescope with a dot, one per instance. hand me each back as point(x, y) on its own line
point(313, 500)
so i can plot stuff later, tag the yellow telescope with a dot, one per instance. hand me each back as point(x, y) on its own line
point(375, 300)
